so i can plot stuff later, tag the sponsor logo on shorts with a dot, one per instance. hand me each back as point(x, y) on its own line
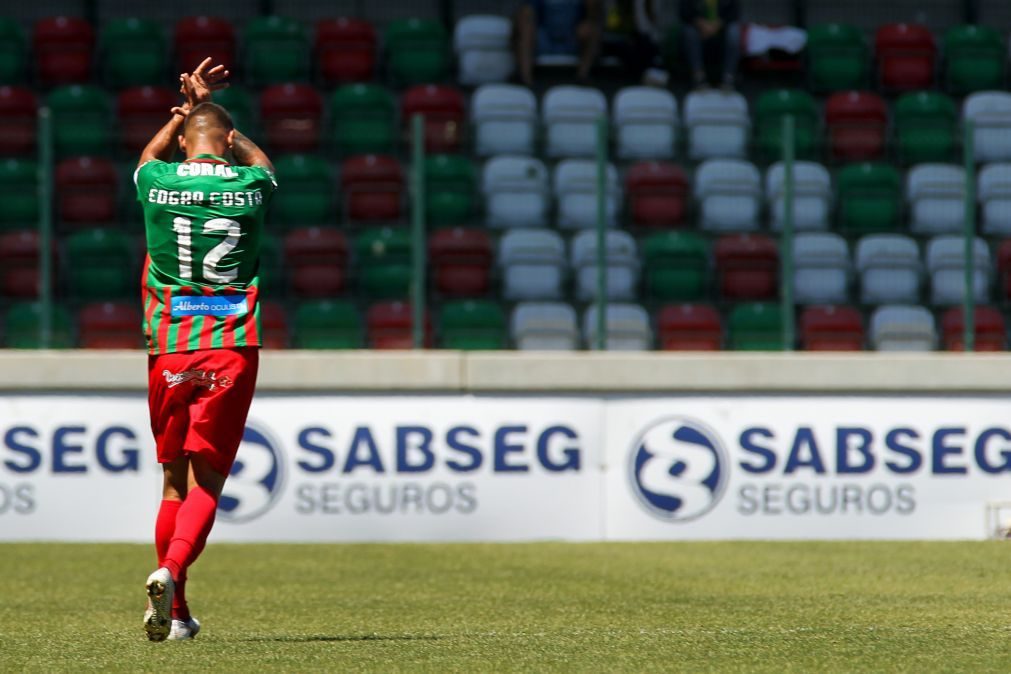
point(216, 305)
point(199, 378)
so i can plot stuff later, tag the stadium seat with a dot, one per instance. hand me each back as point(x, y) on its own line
point(362, 119)
point(990, 333)
point(936, 197)
point(133, 52)
point(100, 265)
point(291, 115)
point(902, 327)
point(676, 266)
point(990, 113)
point(307, 197)
point(383, 259)
point(445, 118)
point(1004, 270)
point(812, 196)
point(533, 264)
point(110, 325)
point(472, 325)
point(200, 37)
point(141, 112)
point(570, 115)
point(756, 326)
point(316, 259)
point(856, 123)
point(544, 326)
point(837, 58)
point(86, 191)
point(417, 51)
point(391, 326)
point(275, 332)
point(925, 127)
point(689, 327)
point(62, 50)
point(620, 257)
point(718, 125)
point(327, 324)
point(515, 191)
point(19, 194)
point(575, 188)
point(747, 267)
point(772, 107)
point(821, 265)
point(483, 45)
point(504, 117)
point(729, 195)
point(890, 269)
point(626, 327)
point(905, 53)
point(19, 264)
point(451, 190)
point(831, 328)
point(645, 123)
point(22, 324)
point(460, 261)
point(241, 106)
point(345, 50)
point(81, 116)
point(974, 59)
point(271, 270)
point(994, 194)
point(275, 51)
point(13, 52)
point(373, 188)
point(946, 266)
point(869, 198)
point(657, 194)
point(18, 114)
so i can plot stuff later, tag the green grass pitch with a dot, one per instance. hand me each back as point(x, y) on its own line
point(724, 607)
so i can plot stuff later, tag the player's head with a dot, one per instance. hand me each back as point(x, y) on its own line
point(208, 129)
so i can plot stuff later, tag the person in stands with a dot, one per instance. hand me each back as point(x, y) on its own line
point(632, 33)
point(709, 25)
point(557, 27)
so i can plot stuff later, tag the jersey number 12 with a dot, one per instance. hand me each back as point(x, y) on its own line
point(183, 227)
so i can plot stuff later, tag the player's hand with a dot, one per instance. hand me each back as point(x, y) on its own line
point(198, 86)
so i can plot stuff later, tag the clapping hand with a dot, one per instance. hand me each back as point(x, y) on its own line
point(198, 86)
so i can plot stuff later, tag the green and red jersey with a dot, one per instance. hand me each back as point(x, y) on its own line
point(204, 221)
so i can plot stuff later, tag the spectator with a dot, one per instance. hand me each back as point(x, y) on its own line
point(631, 33)
point(707, 23)
point(547, 27)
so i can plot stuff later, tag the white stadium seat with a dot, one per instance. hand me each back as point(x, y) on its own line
point(515, 191)
point(990, 113)
point(626, 327)
point(533, 264)
point(575, 188)
point(946, 265)
point(570, 116)
point(936, 197)
point(812, 196)
point(483, 45)
point(645, 123)
point(504, 117)
point(821, 269)
point(718, 124)
point(890, 269)
point(729, 194)
point(620, 258)
point(544, 326)
point(903, 328)
point(995, 197)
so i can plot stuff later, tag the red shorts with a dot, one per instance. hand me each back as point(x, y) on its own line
point(199, 401)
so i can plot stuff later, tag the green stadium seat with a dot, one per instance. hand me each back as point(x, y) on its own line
point(133, 52)
point(472, 325)
point(451, 190)
point(13, 52)
point(271, 265)
point(676, 266)
point(974, 58)
point(22, 326)
point(756, 326)
point(869, 197)
point(19, 194)
point(81, 120)
point(308, 194)
point(276, 51)
point(925, 127)
point(327, 324)
point(363, 119)
point(384, 263)
point(417, 51)
point(100, 265)
point(770, 110)
point(241, 106)
point(838, 58)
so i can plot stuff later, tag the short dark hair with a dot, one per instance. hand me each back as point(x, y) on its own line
point(207, 116)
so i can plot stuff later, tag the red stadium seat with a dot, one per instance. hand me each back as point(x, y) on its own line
point(657, 194)
point(63, 49)
point(747, 267)
point(857, 122)
point(991, 334)
point(317, 261)
point(199, 37)
point(86, 190)
point(831, 328)
point(906, 53)
point(274, 326)
point(19, 264)
point(373, 187)
point(17, 121)
point(390, 326)
point(345, 50)
point(110, 325)
point(689, 327)
point(291, 115)
point(443, 108)
point(142, 111)
point(461, 260)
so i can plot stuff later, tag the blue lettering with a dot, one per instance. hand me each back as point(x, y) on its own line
point(1004, 452)
point(804, 440)
point(363, 438)
point(748, 444)
point(131, 456)
point(13, 443)
point(458, 445)
point(306, 441)
point(571, 453)
point(941, 450)
point(893, 441)
point(416, 440)
point(61, 448)
point(503, 449)
point(844, 447)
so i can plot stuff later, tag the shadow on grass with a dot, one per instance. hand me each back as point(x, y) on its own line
point(307, 638)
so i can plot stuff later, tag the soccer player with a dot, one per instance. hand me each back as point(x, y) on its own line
point(203, 218)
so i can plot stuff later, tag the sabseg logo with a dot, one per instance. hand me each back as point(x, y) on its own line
point(256, 480)
point(678, 469)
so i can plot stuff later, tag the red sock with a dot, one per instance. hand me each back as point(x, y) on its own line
point(193, 524)
point(164, 527)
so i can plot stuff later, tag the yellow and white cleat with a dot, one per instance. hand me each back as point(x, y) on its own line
point(158, 617)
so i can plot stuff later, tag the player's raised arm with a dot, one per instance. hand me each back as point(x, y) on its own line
point(249, 153)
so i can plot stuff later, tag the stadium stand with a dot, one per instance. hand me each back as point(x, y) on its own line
point(18, 111)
